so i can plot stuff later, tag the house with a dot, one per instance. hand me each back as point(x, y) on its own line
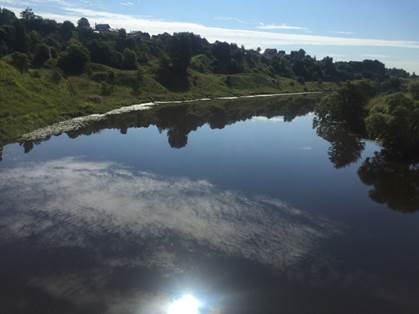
point(103, 28)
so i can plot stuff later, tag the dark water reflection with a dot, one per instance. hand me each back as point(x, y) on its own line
point(257, 213)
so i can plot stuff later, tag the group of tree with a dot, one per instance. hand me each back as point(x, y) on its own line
point(393, 119)
point(72, 47)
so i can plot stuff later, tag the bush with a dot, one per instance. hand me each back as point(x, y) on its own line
point(348, 105)
point(35, 74)
point(42, 54)
point(20, 61)
point(395, 123)
point(99, 76)
point(129, 59)
point(55, 76)
point(414, 90)
point(106, 89)
point(74, 59)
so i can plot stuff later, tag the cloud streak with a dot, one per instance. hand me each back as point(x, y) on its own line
point(250, 38)
point(281, 27)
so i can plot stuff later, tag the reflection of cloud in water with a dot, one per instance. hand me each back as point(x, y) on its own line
point(266, 119)
point(59, 200)
point(135, 220)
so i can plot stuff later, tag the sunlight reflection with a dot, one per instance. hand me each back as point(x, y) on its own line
point(187, 304)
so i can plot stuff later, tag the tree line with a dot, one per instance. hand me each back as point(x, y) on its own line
point(32, 41)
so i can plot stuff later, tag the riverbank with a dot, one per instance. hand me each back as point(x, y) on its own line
point(75, 124)
point(33, 100)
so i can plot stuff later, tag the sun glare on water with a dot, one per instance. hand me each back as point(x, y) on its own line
point(187, 304)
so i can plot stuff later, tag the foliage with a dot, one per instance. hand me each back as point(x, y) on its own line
point(66, 30)
point(181, 65)
point(171, 55)
point(394, 183)
point(42, 54)
point(27, 14)
point(83, 23)
point(348, 105)
point(395, 122)
point(20, 61)
point(74, 59)
point(414, 90)
point(129, 59)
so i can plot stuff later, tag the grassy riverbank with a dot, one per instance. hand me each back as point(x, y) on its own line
point(41, 97)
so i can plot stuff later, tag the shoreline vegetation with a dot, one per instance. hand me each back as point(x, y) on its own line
point(179, 118)
point(83, 121)
point(52, 72)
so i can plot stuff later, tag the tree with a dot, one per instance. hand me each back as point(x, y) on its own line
point(83, 23)
point(104, 53)
point(396, 124)
point(20, 61)
point(7, 17)
point(66, 30)
point(393, 182)
point(414, 90)
point(3, 48)
point(129, 59)
point(20, 40)
point(348, 105)
point(42, 54)
point(122, 40)
point(180, 52)
point(74, 59)
point(27, 14)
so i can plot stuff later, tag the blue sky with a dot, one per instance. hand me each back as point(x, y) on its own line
point(345, 30)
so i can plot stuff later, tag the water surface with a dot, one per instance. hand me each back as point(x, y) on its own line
point(246, 207)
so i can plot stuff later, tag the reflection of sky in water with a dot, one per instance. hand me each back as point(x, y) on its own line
point(117, 228)
point(106, 198)
point(73, 204)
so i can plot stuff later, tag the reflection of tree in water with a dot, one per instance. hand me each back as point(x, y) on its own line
point(345, 146)
point(394, 183)
point(181, 119)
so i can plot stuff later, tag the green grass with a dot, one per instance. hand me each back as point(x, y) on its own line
point(36, 99)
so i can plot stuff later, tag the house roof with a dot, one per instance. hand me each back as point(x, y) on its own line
point(103, 26)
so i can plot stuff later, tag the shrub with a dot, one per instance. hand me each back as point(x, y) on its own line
point(106, 89)
point(414, 90)
point(55, 76)
point(42, 54)
point(395, 123)
point(99, 76)
point(74, 59)
point(20, 61)
point(129, 59)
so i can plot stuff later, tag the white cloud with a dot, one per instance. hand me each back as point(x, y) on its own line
point(230, 19)
point(34, 2)
point(375, 56)
point(249, 38)
point(281, 27)
point(343, 33)
point(127, 4)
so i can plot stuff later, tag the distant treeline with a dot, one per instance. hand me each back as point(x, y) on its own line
point(31, 41)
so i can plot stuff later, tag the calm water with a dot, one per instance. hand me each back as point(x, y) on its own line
point(237, 211)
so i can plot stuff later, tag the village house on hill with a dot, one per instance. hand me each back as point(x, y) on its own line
point(103, 28)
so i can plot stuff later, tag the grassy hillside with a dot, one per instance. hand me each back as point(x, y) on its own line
point(40, 97)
